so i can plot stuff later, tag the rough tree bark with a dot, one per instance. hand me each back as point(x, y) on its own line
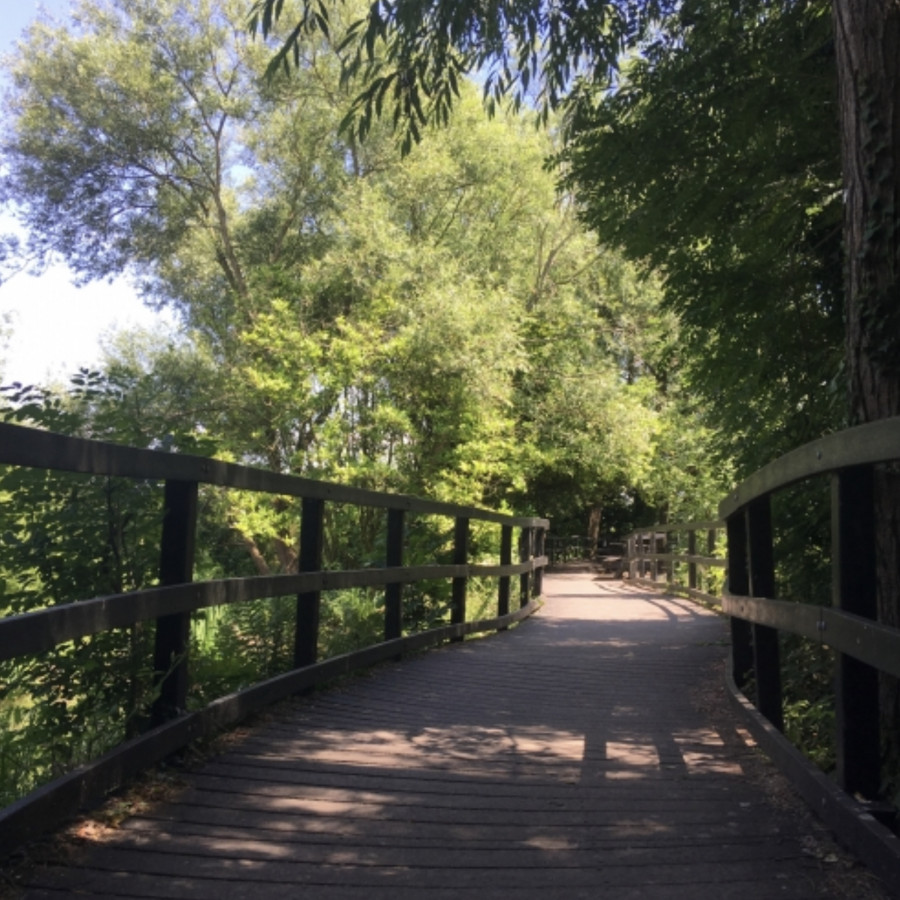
point(867, 40)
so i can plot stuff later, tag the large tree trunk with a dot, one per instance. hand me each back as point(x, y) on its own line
point(867, 37)
point(868, 50)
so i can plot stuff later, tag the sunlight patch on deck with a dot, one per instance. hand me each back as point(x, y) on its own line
point(630, 760)
point(550, 843)
point(483, 743)
point(703, 751)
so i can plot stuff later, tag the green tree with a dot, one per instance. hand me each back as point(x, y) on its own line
point(716, 160)
point(348, 315)
point(416, 50)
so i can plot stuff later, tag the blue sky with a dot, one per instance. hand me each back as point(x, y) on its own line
point(56, 326)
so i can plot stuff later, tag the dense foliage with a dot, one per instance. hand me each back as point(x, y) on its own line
point(716, 159)
point(440, 324)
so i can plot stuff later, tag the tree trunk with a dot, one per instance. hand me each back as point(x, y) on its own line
point(594, 522)
point(867, 39)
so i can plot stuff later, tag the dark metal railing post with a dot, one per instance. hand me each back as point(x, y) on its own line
point(306, 634)
point(692, 566)
point(739, 585)
point(766, 657)
point(525, 541)
point(505, 560)
point(668, 549)
point(460, 584)
point(537, 583)
point(857, 711)
point(173, 632)
point(393, 593)
point(710, 551)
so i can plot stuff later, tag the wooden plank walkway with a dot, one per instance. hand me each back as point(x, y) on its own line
point(588, 753)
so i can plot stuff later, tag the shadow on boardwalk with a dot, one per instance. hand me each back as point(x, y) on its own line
point(588, 753)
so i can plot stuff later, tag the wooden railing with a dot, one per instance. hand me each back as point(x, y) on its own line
point(563, 548)
point(862, 646)
point(667, 556)
point(171, 602)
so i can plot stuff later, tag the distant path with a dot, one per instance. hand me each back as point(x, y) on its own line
point(588, 753)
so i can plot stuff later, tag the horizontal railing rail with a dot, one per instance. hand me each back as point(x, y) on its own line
point(21, 446)
point(171, 602)
point(863, 647)
point(867, 641)
point(864, 445)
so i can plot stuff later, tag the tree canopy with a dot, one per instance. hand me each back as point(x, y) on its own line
point(716, 160)
point(413, 54)
point(440, 324)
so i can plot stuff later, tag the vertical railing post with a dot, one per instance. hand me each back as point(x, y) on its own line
point(766, 658)
point(460, 583)
point(632, 562)
point(306, 634)
point(854, 584)
point(692, 566)
point(525, 540)
point(537, 584)
point(505, 560)
point(710, 551)
point(393, 592)
point(176, 566)
point(739, 585)
point(669, 564)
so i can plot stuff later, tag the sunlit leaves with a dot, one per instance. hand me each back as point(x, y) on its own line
point(526, 52)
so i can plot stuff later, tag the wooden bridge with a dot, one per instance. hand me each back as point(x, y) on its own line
point(592, 750)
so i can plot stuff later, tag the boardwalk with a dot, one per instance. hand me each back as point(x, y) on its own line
point(588, 753)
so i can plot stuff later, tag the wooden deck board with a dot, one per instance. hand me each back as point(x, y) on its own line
point(587, 753)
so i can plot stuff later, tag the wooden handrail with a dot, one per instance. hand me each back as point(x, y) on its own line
point(864, 445)
point(171, 603)
point(638, 558)
point(863, 646)
point(36, 449)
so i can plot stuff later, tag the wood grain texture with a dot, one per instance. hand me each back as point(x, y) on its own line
point(587, 753)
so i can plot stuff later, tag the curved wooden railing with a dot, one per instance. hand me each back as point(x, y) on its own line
point(171, 603)
point(863, 647)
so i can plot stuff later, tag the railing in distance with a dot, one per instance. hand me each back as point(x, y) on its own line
point(666, 556)
point(171, 602)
